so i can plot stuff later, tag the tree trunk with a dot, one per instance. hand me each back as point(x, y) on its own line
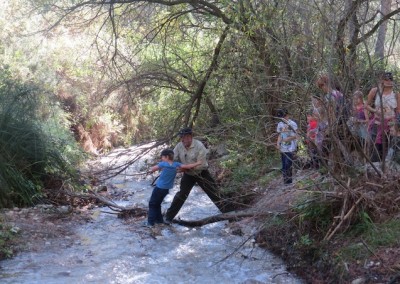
point(380, 41)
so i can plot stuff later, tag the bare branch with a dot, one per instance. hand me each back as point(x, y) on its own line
point(213, 65)
point(373, 29)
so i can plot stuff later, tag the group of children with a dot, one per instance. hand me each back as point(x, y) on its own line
point(374, 122)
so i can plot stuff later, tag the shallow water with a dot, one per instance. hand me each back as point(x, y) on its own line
point(111, 250)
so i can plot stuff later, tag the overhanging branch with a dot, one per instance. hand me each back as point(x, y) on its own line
point(373, 29)
point(200, 89)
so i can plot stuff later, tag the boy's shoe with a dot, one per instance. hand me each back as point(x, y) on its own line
point(147, 225)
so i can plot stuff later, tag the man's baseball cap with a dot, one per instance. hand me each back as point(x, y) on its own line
point(184, 131)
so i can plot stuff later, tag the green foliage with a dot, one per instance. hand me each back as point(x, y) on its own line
point(245, 171)
point(28, 153)
point(266, 179)
point(372, 238)
point(305, 240)
point(242, 171)
point(274, 221)
point(363, 223)
point(385, 234)
point(6, 235)
point(315, 215)
point(305, 183)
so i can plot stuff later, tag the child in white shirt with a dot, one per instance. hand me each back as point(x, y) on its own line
point(287, 144)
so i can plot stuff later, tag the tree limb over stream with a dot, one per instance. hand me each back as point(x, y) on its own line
point(230, 216)
point(126, 212)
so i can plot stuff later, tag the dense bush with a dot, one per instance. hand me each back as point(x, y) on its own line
point(29, 150)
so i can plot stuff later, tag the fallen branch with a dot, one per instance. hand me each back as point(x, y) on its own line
point(123, 212)
point(374, 184)
point(106, 201)
point(134, 174)
point(230, 216)
point(344, 218)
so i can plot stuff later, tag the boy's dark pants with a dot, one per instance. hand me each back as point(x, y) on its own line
point(206, 182)
point(287, 162)
point(157, 197)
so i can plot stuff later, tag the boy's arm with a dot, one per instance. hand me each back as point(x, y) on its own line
point(154, 168)
point(279, 140)
point(290, 138)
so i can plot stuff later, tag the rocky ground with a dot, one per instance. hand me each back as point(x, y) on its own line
point(43, 225)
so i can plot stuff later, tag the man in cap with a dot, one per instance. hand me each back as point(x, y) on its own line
point(190, 151)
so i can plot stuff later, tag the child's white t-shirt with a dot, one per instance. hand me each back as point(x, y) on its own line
point(287, 128)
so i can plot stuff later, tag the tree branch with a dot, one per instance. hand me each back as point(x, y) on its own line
point(230, 216)
point(373, 29)
point(200, 89)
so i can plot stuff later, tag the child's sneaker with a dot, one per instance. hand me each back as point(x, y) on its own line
point(147, 225)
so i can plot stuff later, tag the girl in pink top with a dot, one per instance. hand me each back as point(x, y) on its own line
point(383, 104)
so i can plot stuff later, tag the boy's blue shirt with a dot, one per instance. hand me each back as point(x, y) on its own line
point(168, 174)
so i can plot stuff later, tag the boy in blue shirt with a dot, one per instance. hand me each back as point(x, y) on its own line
point(164, 183)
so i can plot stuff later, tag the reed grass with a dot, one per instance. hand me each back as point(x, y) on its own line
point(27, 152)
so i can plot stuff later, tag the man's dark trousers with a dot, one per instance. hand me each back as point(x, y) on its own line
point(206, 182)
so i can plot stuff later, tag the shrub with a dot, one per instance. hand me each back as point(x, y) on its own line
point(27, 152)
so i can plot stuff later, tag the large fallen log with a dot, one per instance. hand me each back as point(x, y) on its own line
point(230, 216)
